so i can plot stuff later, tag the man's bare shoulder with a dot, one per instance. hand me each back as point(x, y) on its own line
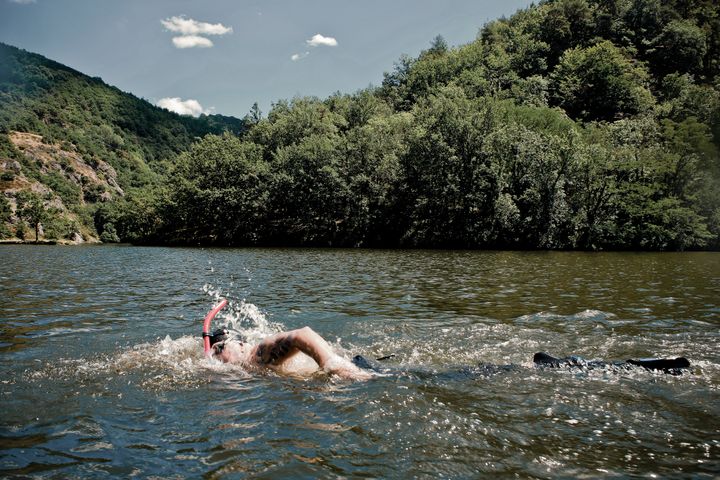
point(274, 349)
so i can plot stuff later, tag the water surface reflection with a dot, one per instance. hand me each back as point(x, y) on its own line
point(102, 371)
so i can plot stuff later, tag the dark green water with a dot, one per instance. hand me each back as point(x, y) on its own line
point(102, 373)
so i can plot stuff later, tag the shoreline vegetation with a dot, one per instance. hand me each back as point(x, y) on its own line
point(17, 241)
point(571, 125)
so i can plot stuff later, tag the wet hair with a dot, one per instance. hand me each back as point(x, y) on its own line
point(219, 335)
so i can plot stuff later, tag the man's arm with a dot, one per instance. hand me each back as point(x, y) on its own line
point(278, 348)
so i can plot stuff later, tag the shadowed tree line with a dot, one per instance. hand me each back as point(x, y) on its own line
point(572, 124)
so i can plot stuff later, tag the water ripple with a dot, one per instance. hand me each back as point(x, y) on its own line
point(103, 372)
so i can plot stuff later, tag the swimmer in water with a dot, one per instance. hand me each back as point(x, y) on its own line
point(279, 353)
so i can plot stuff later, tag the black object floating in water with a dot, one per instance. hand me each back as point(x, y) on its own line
point(673, 366)
point(661, 363)
point(386, 357)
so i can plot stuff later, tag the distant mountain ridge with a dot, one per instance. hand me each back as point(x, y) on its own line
point(75, 116)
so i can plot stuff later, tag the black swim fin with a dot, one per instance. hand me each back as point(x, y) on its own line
point(667, 365)
point(664, 364)
point(542, 358)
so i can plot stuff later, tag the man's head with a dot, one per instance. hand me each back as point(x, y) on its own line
point(227, 346)
point(219, 336)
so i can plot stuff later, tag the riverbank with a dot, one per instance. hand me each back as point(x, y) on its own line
point(62, 241)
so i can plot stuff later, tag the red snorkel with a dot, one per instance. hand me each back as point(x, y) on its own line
point(206, 325)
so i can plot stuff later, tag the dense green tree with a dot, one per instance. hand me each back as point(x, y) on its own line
point(289, 123)
point(5, 217)
point(681, 47)
point(531, 169)
point(109, 234)
point(220, 192)
point(683, 98)
point(600, 83)
point(308, 192)
point(371, 165)
point(448, 190)
point(394, 86)
point(645, 20)
point(565, 24)
point(31, 208)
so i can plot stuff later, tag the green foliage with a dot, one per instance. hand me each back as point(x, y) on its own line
point(109, 234)
point(448, 189)
point(69, 192)
point(137, 218)
point(600, 83)
point(564, 25)
point(308, 172)
point(680, 47)
point(7, 149)
point(58, 227)
point(373, 173)
point(573, 124)
point(219, 191)
point(22, 232)
point(290, 122)
point(5, 216)
point(31, 208)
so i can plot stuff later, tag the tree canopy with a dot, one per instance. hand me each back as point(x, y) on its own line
point(573, 124)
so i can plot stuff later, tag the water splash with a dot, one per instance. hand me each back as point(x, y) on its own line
point(165, 364)
point(241, 317)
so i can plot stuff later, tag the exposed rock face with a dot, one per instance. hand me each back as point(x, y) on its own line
point(10, 165)
point(69, 163)
point(94, 180)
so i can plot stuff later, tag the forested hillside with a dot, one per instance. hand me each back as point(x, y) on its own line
point(92, 144)
point(573, 124)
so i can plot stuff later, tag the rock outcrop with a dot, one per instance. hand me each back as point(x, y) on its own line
point(66, 182)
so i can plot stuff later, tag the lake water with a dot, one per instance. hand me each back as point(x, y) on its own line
point(102, 372)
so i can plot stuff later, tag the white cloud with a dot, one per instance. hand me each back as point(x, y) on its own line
point(188, 26)
point(318, 40)
point(22, 2)
point(299, 56)
point(191, 30)
point(183, 107)
point(190, 41)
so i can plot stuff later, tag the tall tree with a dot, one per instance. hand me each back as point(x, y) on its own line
point(600, 83)
point(32, 210)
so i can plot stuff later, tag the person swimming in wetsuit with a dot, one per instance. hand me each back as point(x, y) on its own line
point(281, 352)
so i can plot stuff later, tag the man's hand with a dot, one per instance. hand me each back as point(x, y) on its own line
point(344, 368)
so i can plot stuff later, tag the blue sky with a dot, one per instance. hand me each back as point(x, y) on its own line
point(220, 56)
